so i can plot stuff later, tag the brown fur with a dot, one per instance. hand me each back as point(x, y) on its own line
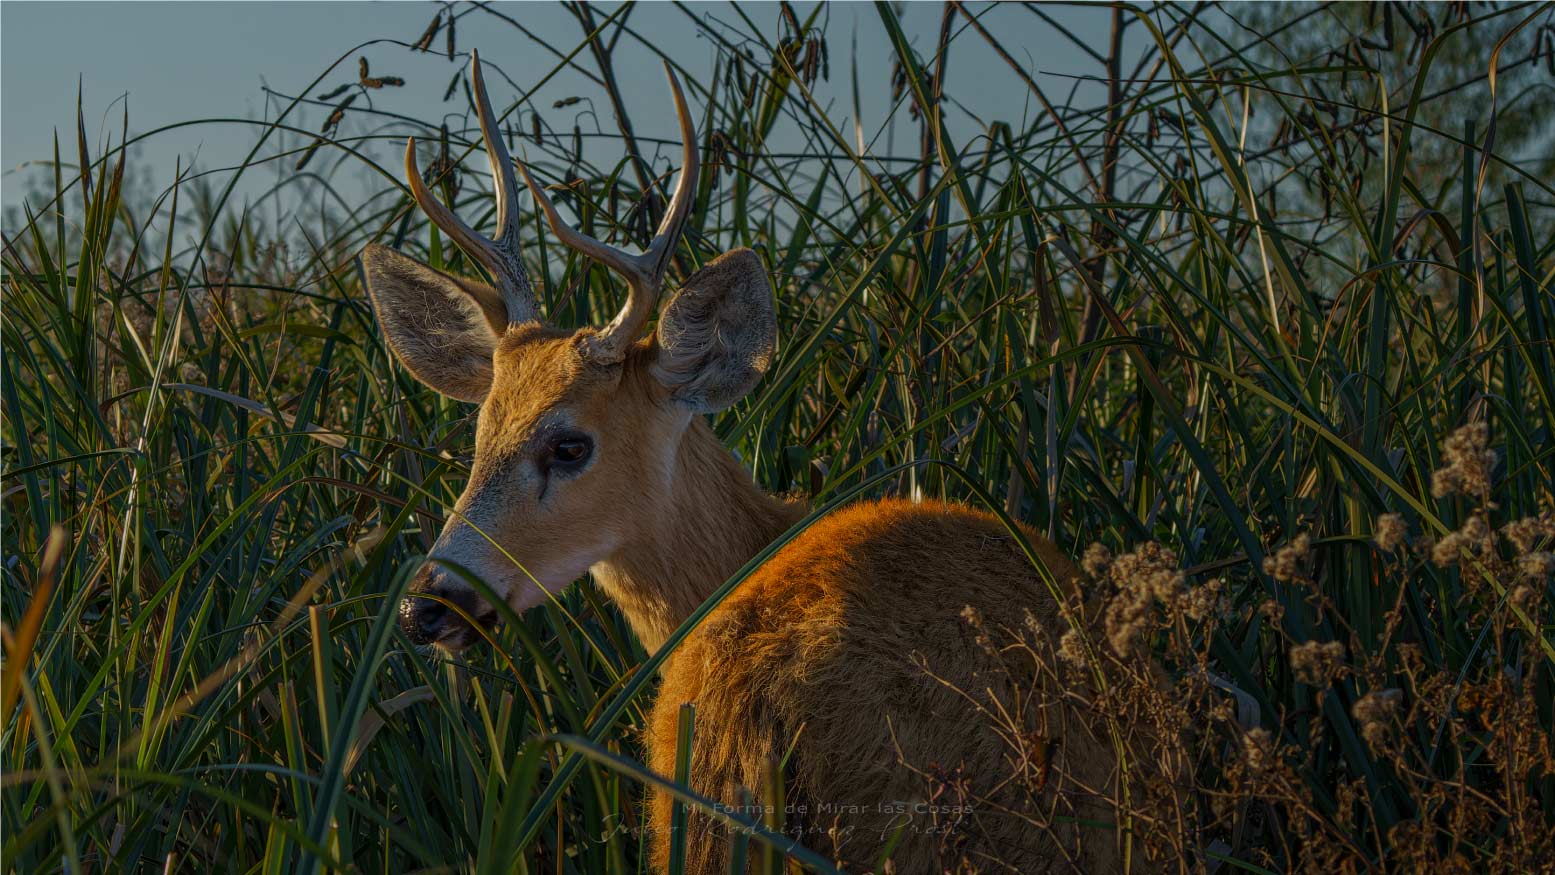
point(847, 655)
point(849, 648)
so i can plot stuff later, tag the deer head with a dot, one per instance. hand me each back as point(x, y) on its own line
point(577, 428)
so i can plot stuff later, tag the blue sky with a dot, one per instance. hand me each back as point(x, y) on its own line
point(176, 62)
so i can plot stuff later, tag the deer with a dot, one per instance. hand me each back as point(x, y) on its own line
point(846, 657)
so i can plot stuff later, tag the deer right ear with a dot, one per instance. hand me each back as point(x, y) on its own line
point(443, 329)
point(716, 336)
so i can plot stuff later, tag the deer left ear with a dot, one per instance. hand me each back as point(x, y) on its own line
point(443, 329)
point(716, 336)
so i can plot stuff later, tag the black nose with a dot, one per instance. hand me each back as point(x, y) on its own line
point(426, 617)
point(421, 617)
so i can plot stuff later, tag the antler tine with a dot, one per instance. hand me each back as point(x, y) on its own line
point(685, 189)
point(500, 256)
point(644, 273)
point(501, 163)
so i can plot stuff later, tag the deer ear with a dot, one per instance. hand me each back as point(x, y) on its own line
point(439, 326)
point(717, 334)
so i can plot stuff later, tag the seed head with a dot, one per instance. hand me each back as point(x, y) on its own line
point(1288, 563)
point(1466, 463)
point(1525, 598)
point(1150, 571)
point(1375, 712)
point(1526, 533)
point(1201, 602)
point(1259, 751)
point(1317, 662)
point(1475, 535)
point(1071, 648)
point(1143, 578)
point(1271, 610)
point(1537, 565)
point(1096, 561)
point(1391, 532)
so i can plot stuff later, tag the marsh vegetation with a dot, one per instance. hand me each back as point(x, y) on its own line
point(1269, 326)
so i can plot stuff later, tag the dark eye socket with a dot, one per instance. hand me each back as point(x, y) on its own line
point(571, 450)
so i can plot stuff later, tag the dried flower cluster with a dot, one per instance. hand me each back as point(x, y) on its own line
point(1376, 712)
point(1464, 751)
point(1096, 560)
point(1259, 750)
point(1466, 463)
point(1391, 532)
point(1289, 563)
point(1473, 549)
point(1317, 662)
point(973, 618)
point(1470, 540)
point(1202, 602)
point(1143, 579)
point(1536, 566)
point(1524, 598)
point(1525, 535)
point(1071, 649)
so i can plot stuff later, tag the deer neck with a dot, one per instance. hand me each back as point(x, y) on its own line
point(710, 521)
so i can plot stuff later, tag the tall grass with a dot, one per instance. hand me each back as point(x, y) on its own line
point(1224, 309)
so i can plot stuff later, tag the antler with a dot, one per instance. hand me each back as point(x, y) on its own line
point(644, 273)
point(499, 255)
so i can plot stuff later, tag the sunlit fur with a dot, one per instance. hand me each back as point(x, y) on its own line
point(818, 650)
point(846, 656)
point(848, 653)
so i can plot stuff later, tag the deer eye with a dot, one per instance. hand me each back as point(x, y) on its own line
point(571, 450)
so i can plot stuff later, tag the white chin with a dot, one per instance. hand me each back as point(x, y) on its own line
point(527, 590)
point(525, 593)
